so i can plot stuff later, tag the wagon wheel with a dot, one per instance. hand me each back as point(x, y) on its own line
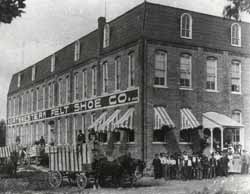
point(81, 181)
point(55, 179)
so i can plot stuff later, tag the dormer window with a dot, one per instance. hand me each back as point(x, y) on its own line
point(106, 36)
point(235, 35)
point(186, 26)
point(33, 73)
point(52, 63)
point(19, 80)
point(77, 50)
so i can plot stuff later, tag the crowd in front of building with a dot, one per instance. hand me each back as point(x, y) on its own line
point(184, 166)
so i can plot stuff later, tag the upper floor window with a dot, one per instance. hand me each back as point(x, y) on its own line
point(77, 50)
point(236, 77)
point(131, 69)
point(186, 71)
point(211, 80)
point(60, 91)
point(106, 35)
point(235, 35)
point(236, 115)
point(76, 86)
point(118, 73)
point(19, 80)
point(67, 89)
point(84, 84)
point(52, 63)
point(44, 96)
point(33, 73)
point(105, 77)
point(160, 69)
point(94, 80)
point(186, 26)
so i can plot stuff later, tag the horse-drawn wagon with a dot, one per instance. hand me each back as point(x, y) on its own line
point(79, 165)
point(69, 161)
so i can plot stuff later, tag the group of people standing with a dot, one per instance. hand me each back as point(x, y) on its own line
point(184, 166)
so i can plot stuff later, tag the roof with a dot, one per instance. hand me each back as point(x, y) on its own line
point(152, 21)
point(214, 120)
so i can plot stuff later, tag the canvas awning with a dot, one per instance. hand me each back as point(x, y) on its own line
point(126, 121)
point(213, 119)
point(98, 122)
point(109, 124)
point(162, 118)
point(188, 120)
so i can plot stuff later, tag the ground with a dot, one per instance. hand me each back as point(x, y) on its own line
point(32, 181)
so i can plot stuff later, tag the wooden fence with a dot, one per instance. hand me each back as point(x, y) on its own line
point(6, 150)
point(70, 158)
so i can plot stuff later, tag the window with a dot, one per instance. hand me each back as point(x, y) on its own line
point(60, 91)
point(84, 84)
point(77, 50)
point(131, 69)
point(52, 63)
point(211, 81)
point(186, 71)
point(186, 26)
point(32, 100)
point(76, 86)
point(44, 96)
point(49, 95)
point(106, 35)
point(94, 80)
point(118, 73)
point(160, 69)
point(235, 35)
point(105, 77)
point(236, 77)
point(67, 89)
point(37, 98)
point(236, 115)
point(33, 73)
point(19, 80)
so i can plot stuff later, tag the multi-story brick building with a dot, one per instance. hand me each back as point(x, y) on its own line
point(152, 66)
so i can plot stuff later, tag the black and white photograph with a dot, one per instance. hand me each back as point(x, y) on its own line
point(125, 97)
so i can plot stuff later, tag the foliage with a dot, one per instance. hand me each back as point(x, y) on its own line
point(10, 9)
point(236, 7)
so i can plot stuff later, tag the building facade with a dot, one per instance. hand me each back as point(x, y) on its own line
point(151, 67)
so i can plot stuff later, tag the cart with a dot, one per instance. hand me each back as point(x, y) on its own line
point(72, 162)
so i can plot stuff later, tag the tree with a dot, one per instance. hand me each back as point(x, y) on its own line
point(235, 8)
point(10, 9)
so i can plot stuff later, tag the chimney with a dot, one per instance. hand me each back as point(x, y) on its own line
point(101, 23)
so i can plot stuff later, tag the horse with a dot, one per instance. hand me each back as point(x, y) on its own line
point(123, 168)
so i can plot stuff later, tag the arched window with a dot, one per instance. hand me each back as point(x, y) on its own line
point(235, 34)
point(186, 26)
point(106, 35)
point(186, 71)
point(160, 69)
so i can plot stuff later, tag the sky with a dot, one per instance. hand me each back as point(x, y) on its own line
point(49, 25)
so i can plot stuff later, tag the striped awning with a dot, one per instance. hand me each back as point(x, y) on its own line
point(109, 124)
point(126, 121)
point(188, 120)
point(162, 118)
point(98, 122)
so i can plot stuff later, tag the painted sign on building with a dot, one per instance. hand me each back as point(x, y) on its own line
point(108, 101)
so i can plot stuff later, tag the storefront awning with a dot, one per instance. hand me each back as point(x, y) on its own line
point(109, 124)
point(162, 118)
point(188, 120)
point(126, 121)
point(98, 122)
point(213, 120)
